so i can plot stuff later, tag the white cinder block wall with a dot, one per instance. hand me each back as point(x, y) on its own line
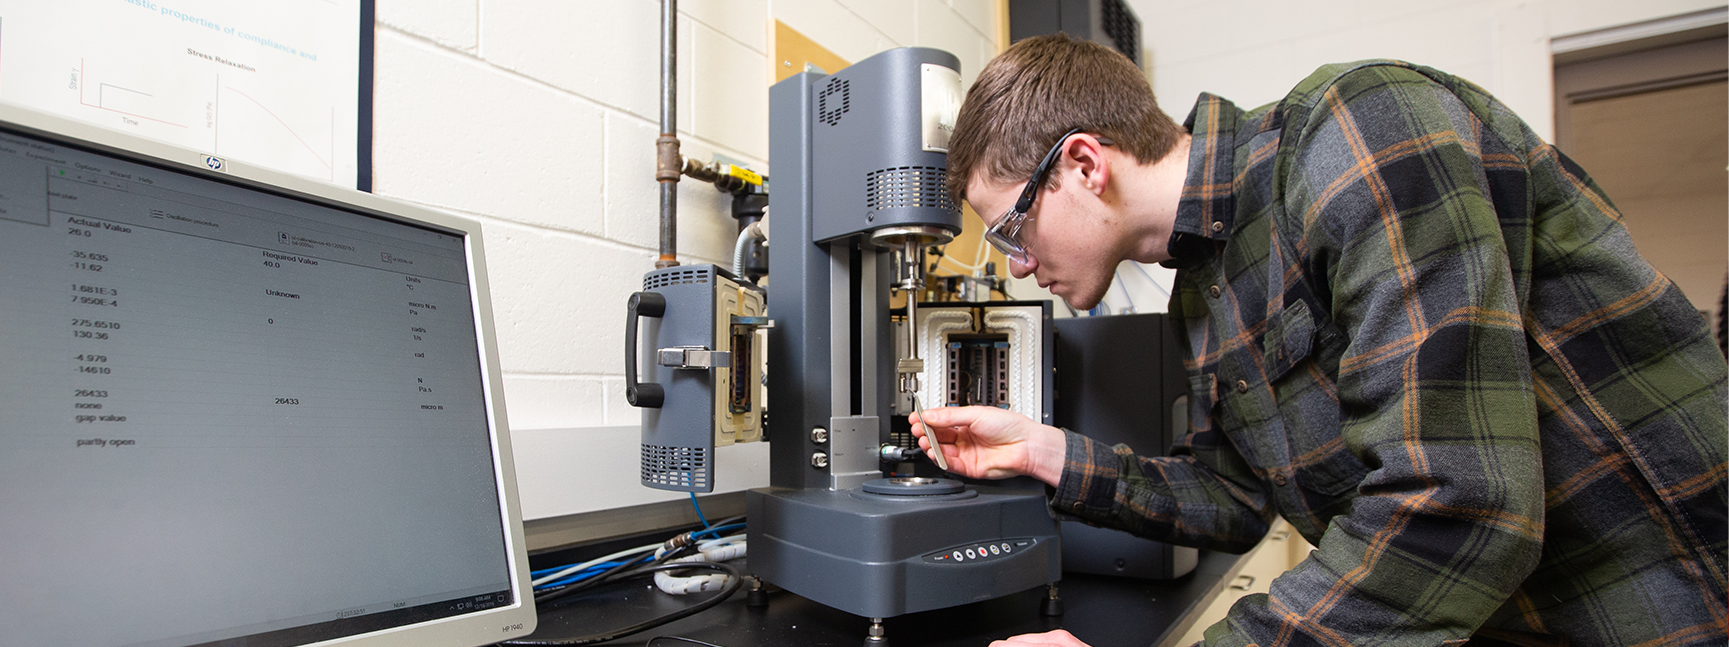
point(1253, 51)
point(538, 118)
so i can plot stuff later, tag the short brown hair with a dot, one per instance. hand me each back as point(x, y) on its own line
point(1039, 89)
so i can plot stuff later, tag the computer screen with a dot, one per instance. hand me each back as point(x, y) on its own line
point(242, 408)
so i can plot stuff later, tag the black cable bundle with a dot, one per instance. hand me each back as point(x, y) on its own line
point(615, 576)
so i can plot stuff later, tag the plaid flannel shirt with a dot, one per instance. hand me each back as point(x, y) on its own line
point(1423, 336)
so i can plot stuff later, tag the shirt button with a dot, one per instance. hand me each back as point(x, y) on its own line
point(1279, 480)
point(1242, 386)
point(1213, 292)
point(1218, 226)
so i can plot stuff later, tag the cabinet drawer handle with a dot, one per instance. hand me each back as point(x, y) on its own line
point(1242, 583)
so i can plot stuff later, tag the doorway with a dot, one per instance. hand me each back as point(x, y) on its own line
point(1649, 121)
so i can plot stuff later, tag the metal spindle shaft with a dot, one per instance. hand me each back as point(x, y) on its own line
point(912, 281)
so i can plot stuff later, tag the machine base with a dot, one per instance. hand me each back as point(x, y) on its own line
point(880, 556)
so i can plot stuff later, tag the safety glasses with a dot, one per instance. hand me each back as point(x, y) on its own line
point(1005, 233)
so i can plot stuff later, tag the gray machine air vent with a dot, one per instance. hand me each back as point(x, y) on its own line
point(1122, 27)
point(698, 274)
point(675, 468)
point(908, 186)
point(834, 100)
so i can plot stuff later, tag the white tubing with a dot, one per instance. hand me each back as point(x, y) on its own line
point(717, 550)
point(585, 565)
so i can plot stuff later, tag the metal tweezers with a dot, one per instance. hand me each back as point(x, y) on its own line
point(936, 452)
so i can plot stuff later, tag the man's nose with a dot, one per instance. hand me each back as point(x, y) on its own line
point(1021, 270)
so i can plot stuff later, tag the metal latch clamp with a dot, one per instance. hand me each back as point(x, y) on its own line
point(696, 357)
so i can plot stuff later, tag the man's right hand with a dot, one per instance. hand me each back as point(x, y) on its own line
point(1058, 638)
point(992, 443)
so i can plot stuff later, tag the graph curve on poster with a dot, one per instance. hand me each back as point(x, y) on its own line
point(275, 84)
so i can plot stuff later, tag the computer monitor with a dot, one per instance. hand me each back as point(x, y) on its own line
point(238, 407)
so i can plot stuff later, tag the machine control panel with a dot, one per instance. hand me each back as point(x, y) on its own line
point(979, 552)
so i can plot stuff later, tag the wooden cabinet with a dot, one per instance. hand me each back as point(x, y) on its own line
point(1281, 550)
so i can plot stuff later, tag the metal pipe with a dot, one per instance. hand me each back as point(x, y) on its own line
point(714, 173)
point(668, 162)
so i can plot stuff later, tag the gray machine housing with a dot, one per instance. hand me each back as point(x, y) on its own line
point(1120, 380)
point(880, 556)
point(831, 361)
point(678, 433)
point(1111, 23)
point(875, 171)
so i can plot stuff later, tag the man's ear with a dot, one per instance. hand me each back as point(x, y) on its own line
point(1084, 158)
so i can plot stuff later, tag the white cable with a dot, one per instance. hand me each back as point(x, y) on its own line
point(964, 268)
point(1156, 285)
point(716, 542)
point(981, 257)
point(585, 565)
point(968, 269)
point(718, 550)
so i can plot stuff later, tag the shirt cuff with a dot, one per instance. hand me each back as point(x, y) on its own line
point(1088, 487)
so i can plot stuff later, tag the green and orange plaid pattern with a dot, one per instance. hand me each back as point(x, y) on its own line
point(1423, 336)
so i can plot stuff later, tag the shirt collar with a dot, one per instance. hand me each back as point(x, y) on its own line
point(1208, 202)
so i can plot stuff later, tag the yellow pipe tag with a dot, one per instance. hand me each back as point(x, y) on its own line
point(744, 174)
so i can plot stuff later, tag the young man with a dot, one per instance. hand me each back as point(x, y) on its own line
point(1415, 330)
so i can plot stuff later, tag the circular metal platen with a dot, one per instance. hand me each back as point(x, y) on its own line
point(927, 236)
point(913, 486)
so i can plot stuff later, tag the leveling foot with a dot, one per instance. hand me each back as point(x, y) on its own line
point(1053, 604)
point(874, 636)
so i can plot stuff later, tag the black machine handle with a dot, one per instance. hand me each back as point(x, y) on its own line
point(641, 394)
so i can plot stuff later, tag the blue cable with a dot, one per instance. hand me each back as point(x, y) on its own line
point(587, 573)
point(1150, 278)
point(577, 577)
point(699, 516)
point(716, 532)
point(1117, 277)
point(556, 569)
point(604, 566)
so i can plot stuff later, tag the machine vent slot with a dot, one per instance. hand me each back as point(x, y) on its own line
point(908, 186)
point(697, 274)
point(834, 100)
point(900, 438)
point(675, 468)
point(1122, 27)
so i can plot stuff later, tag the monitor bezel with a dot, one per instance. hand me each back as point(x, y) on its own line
point(480, 628)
